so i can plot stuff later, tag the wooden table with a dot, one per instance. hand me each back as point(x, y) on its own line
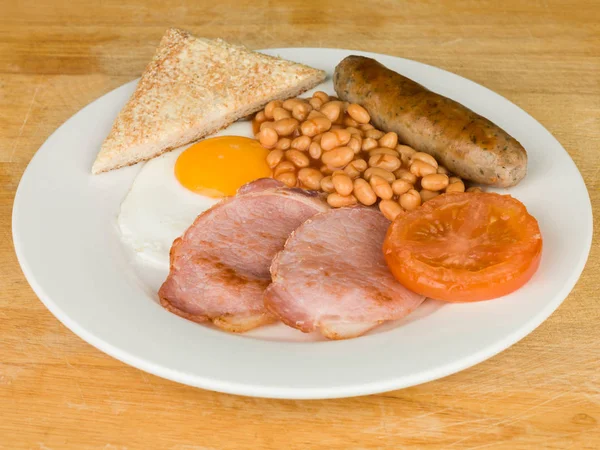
point(56, 391)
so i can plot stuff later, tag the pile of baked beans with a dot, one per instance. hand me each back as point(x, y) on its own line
point(326, 144)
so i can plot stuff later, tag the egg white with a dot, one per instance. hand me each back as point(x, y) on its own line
point(158, 209)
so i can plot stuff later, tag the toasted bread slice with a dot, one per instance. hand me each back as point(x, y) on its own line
point(195, 87)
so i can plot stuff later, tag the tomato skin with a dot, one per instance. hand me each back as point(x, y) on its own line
point(494, 251)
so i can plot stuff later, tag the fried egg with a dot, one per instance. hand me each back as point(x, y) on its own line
point(217, 167)
point(170, 191)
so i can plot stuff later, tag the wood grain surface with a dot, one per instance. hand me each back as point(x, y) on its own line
point(58, 392)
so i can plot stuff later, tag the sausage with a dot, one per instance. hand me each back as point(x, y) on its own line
point(468, 144)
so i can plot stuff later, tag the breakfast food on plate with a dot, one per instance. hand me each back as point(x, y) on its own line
point(325, 144)
point(465, 247)
point(468, 144)
point(332, 276)
point(194, 87)
point(292, 225)
point(219, 166)
point(220, 266)
point(171, 190)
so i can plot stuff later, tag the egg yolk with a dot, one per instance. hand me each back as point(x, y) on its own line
point(217, 167)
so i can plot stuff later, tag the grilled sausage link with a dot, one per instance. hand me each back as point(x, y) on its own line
point(467, 144)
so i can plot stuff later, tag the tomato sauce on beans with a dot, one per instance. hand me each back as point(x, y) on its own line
point(325, 144)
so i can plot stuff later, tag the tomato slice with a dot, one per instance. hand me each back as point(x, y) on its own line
point(464, 247)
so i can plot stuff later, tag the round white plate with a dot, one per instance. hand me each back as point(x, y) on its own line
point(64, 229)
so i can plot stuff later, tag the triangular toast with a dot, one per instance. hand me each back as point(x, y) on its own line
point(195, 87)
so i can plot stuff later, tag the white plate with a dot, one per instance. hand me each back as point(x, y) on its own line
point(64, 229)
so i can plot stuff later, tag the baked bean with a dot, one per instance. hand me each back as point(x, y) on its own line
point(301, 143)
point(309, 128)
point(354, 131)
point(374, 134)
point(343, 136)
point(383, 151)
point(387, 176)
point(453, 180)
point(358, 113)
point(403, 174)
point(381, 187)
point(364, 192)
point(290, 103)
point(270, 107)
point(297, 157)
point(280, 113)
point(335, 126)
point(314, 114)
point(342, 183)
point(267, 124)
point(323, 124)
point(389, 140)
point(435, 182)
point(427, 195)
point(326, 170)
point(474, 189)
point(274, 157)
point(310, 178)
point(387, 162)
point(287, 178)
point(352, 171)
point(360, 164)
point(338, 157)
point(327, 184)
point(314, 150)
point(390, 209)
point(442, 170)
point(283, 143)
point(329, 141)
point(410, 200)
point(285, 127)
point(421, 169)
point(322, 96)
point(260, 117)
point(332, 110)
point(336, 200)
point(316, 103)
point(355, 168)
point(284, 166)
point(401, 186)
point(350, 122)
point(301, 110)
point(369, 144)
point(366, 126)
point(406, 153)
point(458, 186)
point(317, 138)
point(355, 143)
point(426, 158)
point(268, 137)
